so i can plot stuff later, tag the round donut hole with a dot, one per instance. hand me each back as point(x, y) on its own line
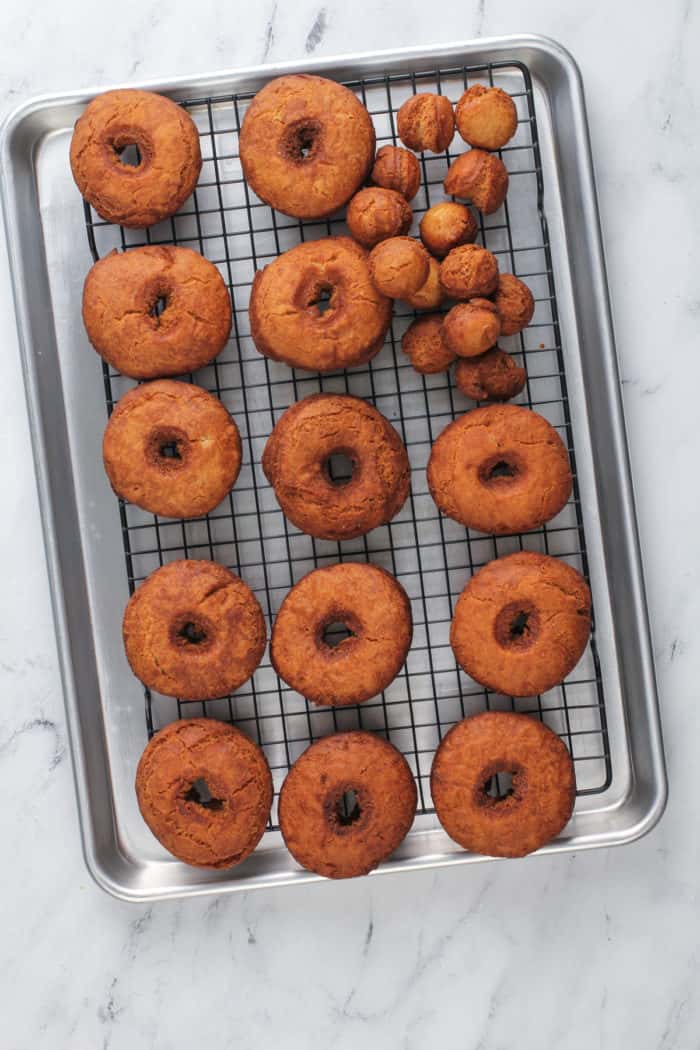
point(500, 786)
point(339, 468)
point(158, 306)
point(335, 633)
point(347, 808)
point(129, 155)
point(499, 469)
point(199, 793)
point(167, 448)
point(170, 450)
point(517, 625)
point(323, 300)
point(193, 633)
point(300, 140)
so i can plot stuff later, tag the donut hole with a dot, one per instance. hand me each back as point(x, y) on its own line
point(167, 448)
point(129, 155)
point(192, 633)
point(501, 469)
point(300, 141)
point(339, 468)
point(517, 625)
point(158, 306)
point(200, 793)
point(335, 633)
point(321, 298)
point(500, 785)
point(347, 808)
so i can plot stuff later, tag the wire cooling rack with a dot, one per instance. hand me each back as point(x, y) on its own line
point(432, 556)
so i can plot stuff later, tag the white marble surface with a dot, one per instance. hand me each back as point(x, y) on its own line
point(594, 950)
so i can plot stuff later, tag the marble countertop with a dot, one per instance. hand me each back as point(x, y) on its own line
point(598, 949)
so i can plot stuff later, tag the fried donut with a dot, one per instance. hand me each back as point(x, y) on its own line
point(286, 322)
point(374, 214)
point(169, 158)
point(326, 835)
point(469, 272)
point(544, 786)
point(479, 177)
point(205, 791)
point(447, 225)
point(171, 448)
point(296, 462)
point(306, 145)
point(426, 122)
point(371, 605)
point(494, 376)
point(399, 267)
point(500, 469)
point(471, 328)
point(424, 345)
point(521, 623)
point(514, 302)
point(193, 630)
point(486, 117)
point(396, 169)
point(119, 299)
point(430, 295)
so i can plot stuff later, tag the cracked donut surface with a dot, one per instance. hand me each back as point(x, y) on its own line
point(500, 469)
point(522, 623)
point(217, 831)
point(193, 630)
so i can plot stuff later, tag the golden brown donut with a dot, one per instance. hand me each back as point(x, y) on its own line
point(521, 623)
point(296, 463)
point(317, 828)
point(193, 630)
point(119, 299)
point(205, 791)
point(514, 302)
point(430, 295)
point(426, 122)
point(422, 342)
point(494, 376)
point(479, 177)
point(486, 117)
point(399, 267)
point(543, 792)
point(369, 603)
point(471, 328)
point(169, 156)
point(375, 214)
point(447, 225)
point(500, 469)
point(286, 322)
point(396, 169)
point(469, 272)
point(171, 448)
point(306, 145)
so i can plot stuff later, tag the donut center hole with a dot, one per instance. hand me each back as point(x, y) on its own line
point(501, 469)
point(166, 448)
point(158, 306)
point(301, 140)
point(500, 786)
point(192, 633)
point(170, 450)
point(335, 633)
point(517, 625)
point(323, 298)
point(339, 468)
point(347, 808)
point(129, 154)
point(200, 794)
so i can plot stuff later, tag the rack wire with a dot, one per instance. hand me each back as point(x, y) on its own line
point(432, 556)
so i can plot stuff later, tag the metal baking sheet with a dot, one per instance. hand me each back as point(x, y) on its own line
point(607, 711)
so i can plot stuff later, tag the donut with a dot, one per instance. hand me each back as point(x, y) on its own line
point(205, 791)
point(172, 449)
point(286, 321)
point(169, 158)
point(346, 804)
point(374, 214)
point(371, 605)
point(306, 145)
point(424, 345)
point(430, 295)
point(494, 376)
point(193, 630)
point(296, 462)
point(470, 329)
point(447, 225)
point(426, 122)
point(479, 177)
point(119, 299)
point(499, 469)
point(396, 169)
point(514, 302)
point(399, 267)
point(521, 624)
point(540, 803)
point(469, 272)
point(486, 117)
